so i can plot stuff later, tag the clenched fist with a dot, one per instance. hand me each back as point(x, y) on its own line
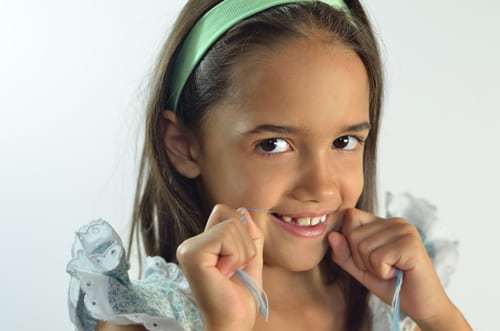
point(369, 248)
point(209, 261)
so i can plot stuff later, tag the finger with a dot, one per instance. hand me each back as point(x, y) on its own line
point(357, 240)
point(218, 241)
point(341, 255)
point(246, 245)
point(231, 253)
point(390, 231)
point(353, 220)
point(400, 254)
point(219, 214)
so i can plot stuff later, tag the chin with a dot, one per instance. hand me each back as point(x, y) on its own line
point(296, 262)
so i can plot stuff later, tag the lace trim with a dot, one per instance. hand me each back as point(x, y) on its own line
point(100, 288)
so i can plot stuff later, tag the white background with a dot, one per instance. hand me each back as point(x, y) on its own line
point(72, 82)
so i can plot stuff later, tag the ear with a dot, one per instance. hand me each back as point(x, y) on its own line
point(181, 146)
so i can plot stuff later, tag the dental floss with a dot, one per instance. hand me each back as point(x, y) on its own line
point(395, 299)
point(260, 295)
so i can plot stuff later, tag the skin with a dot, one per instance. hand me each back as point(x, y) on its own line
point(320, 89)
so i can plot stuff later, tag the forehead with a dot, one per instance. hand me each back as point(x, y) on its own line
point(303, 83)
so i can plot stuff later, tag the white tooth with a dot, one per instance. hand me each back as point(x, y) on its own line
point(315, 220)
point(323, 219)
point(287, 219)
point(304, 221)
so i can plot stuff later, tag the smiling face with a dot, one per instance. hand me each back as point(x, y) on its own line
point(315, 165)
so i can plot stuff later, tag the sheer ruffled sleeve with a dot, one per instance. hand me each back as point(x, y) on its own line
point(100, 287)
point(443, 252)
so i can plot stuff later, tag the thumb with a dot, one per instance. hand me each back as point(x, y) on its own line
point(341, 253)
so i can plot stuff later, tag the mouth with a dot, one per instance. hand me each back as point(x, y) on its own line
point(304, 226)
point(302, 221)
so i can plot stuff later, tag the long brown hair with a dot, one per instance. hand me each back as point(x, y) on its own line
point(168, 207)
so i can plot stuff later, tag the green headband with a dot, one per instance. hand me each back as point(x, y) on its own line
point(210, 27)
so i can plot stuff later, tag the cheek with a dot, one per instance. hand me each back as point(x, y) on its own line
point(351, 181)
point(254, 186)
point(238, 183)
point(355, 188)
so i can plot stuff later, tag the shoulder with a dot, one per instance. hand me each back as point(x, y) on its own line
point(100, 288)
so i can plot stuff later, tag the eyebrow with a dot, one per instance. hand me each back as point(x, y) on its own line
point(295, 130)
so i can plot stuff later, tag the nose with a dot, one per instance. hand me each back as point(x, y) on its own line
point(318, 181)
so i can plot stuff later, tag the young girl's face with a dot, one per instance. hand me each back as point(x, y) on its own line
point(309, 93)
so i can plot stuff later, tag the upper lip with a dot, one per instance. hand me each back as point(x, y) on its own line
point(310, 214)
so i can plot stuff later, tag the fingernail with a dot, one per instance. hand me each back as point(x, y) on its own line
point(243, 217)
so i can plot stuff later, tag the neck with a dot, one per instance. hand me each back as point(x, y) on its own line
point(290, 290)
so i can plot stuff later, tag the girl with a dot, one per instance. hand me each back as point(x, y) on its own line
point(273, 106)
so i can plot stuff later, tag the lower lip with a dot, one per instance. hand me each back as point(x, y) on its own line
point(302, 231)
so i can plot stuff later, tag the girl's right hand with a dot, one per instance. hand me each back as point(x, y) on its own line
point(209, 261)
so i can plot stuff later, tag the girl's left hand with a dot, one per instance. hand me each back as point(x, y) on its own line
point(369, 248)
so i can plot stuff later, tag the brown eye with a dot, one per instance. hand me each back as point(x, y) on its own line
point(344, 141)
point(270, 145)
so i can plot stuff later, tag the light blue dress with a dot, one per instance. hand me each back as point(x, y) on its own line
point(100, 287)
